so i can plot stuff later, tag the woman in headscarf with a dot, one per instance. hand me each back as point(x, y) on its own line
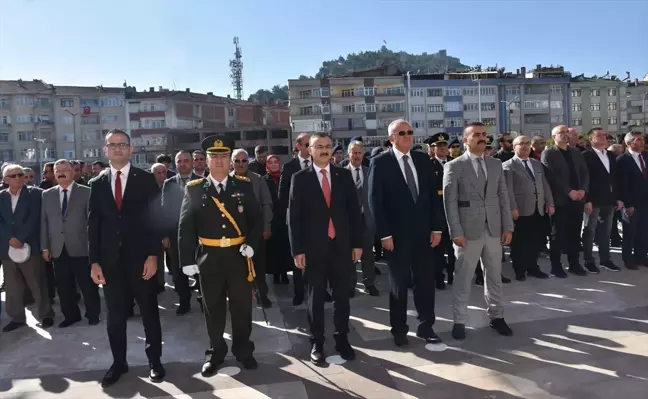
point(279, 259)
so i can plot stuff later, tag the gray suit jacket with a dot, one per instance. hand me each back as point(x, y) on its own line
point(468, 209)
point(558, 170)
point(70, 229)
point(263, 197)
point(522, 188)
point(363, 196)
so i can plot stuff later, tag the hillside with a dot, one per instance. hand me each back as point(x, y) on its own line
point(415, 63)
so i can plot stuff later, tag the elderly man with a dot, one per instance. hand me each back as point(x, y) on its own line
point(530, 198)
point(264, 199)
point(20, 208)
point(64, 237)
point(479, 219)
point(30, 176)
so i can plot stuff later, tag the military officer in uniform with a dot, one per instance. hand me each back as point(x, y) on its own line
point(220, 225)
point(439, 142)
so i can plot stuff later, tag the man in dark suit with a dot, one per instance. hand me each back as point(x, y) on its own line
point(172, 194)
point(20, 208)
point(325, 228)
point(123, 249)
point(602, 201)
point(301, 161)
point(408, 212)
point(633, 187)
point(569, 181)
point(258, 166)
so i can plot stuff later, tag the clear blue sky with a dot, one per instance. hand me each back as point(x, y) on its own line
point(159, 42)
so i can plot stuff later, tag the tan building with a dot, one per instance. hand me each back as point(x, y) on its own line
point(598, 102)
point(637, 98)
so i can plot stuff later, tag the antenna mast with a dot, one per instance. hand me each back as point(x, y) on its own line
point(236, 67)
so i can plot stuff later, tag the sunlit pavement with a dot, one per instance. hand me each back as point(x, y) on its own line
point(582, 337)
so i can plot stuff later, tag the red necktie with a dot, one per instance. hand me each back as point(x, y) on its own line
point(643, 165)
point(326, 190)
point(118, 190)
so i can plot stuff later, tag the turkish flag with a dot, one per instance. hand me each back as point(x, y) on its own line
point(86, 110)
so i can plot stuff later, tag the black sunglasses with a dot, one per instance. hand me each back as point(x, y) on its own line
point(240, 161)
point(406, 132)
point(15, 175)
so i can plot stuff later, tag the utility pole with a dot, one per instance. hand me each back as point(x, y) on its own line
point(508, 111)
point(74, 115)
point(479, 97)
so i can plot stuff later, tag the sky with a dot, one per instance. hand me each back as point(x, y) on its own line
point(188, 43)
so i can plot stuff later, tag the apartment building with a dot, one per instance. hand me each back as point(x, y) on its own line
point(40, 122)
point(165, 121)
point(637, 101)
point(598, 102)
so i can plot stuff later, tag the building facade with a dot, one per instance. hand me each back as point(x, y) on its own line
point(637, 101)
point(597, 102)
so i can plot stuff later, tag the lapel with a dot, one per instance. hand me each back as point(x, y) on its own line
point(399, 172)
point(22, 200)
point(520, 165)
point(470, 171)
point(131, 178)
point(55, 202)
point(73, 197)
point(314, 181)
point(107, 188)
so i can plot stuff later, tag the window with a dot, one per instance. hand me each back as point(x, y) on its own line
point(612, 106)
point(612, 120)
point(310, 110)
point(366, 107)
point(152, 124)
point(326, 109)
point(453, 122)
point(452, 92)
point(512, 91)
point(110, 118)
point(4, 137)
point(25, 118)
point(398, 90)
point(418, 124)
point(489, 121)
point(556, 89)
point(68, 137)
point(470, 91)
point(43, 118)
point(577, 107)
point(436, 123)
point(230, 112)
point(577, 122)
point(435, 92)
point(348, 109)
point(595, 93)
point(6, 155)
point(596, 121)
point(305, 93)
point(487, 91)
point(576, 93)
point(5, 120)
point(612, 92)
point(595, 107)
point(324, 92)
point(26, 136)
point(515, 119)
point(417, 93)
point(392, 107)
point(435, 108)
point(556, 104)
point(348, 93)
point(453, 106)
point(111, 101)
point(90, 120)
point(536, 104)
point(418, 108)
point(89, 102)
point(557, 119)
point(135, 125)
point(24, 101)
point(46, 134)
point(67, 103)
point(91, 153)
point(4, 102)
point(28, 154)
point(471, 107)
point(488, 106)
point(68, 154)
point(96, 134)
point(231, 125)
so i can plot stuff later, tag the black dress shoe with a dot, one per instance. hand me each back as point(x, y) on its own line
point(537, 273)
point(372, 290)
point(609, 265)
point(520, 277)
point(317, 355)
point(157, 372)
point(577, 269)
point(401, 340)
point(68, 322)
point(479, 281)
point(93, 321)
point(12, 325)
point(114, 374)
point(592, 268)
point(298, 300)
point(183, 308)
point(210, 368)
point(249, 363)
point(459, 332)
point(501, 327)
point(345, 350)
point(47, 322)
point(631, 265)
point(505, 280)
point(429, 336)
point(558, 272)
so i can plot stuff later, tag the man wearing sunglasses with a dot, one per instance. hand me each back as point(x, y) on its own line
point(408, 213)
point(506, 148)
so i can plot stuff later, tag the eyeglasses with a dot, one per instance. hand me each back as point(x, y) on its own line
point(406, 132)
point(13, 176)
point(243, 161)
point(121, 146)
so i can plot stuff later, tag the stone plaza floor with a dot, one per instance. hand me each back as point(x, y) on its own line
point(582, 337)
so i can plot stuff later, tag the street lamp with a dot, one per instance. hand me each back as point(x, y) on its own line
point(508, 111)
point(74, 115)
point(478, 96)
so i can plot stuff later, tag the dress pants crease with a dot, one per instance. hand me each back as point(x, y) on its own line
point(69, 272)
point(528, 239)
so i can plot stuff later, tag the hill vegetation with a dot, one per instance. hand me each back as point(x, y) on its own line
point(415, 63)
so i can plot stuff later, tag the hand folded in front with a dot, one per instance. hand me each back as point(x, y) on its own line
point(190, 270)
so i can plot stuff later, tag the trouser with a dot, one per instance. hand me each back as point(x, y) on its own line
point(614, 235)
point(634, 247)
point(489, 250)
point(180, 280)
point(368, 263)
point(223, 274)
point(332, 267)
point(598, 228)
point(566, 234)
point(260, 266)
point(440, 263)
point(19, 277)
point(299, 280)
point(50, 281)
point(528, 239)
point(69, 272)
point(123, 283)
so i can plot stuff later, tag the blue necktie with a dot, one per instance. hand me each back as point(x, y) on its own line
point(65, 202)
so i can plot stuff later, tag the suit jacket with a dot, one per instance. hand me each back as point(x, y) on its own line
point(24, 223)
point(633, 187)
point(287, 171)
point(309, 215)
point(69, 230)
point(363, 198)
point(132, 228)
point(558, 175)
point(468, 209)
point(409, 223)
point(257, 168)
point(525, 193)
point(263, 197)
point(172, 194)
point(602, 188)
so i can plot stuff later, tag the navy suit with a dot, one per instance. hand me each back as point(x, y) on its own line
point(24, 223)
point(409, 223)
point(633, 189)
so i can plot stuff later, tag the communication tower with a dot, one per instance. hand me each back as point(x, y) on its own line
point(236, 67)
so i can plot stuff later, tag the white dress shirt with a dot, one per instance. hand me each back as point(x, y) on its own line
point(473, 159)
point(635, 156)
point(399, 158)
point(123, 177)
point(442, 161)
point(301, 161)
point(216, 183)
point(69, 191)
point(357, 173)
point(14, 199)
point(319, 174)
point(602, 154)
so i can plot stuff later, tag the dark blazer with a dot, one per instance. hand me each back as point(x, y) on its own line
point(633, 187)
point(172, 194)
point(287, 171)
point(437, 169)
point(24, 223)
point(308, 216)
point(132, 228)
point(558, 174)
point(257, 168)
point(170, 173)
point(395, 212)
point(603, 188)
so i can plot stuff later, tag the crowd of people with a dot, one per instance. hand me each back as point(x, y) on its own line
point(216, 218)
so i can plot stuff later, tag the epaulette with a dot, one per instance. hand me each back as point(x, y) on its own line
point(243, 178)
point(194, 182)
